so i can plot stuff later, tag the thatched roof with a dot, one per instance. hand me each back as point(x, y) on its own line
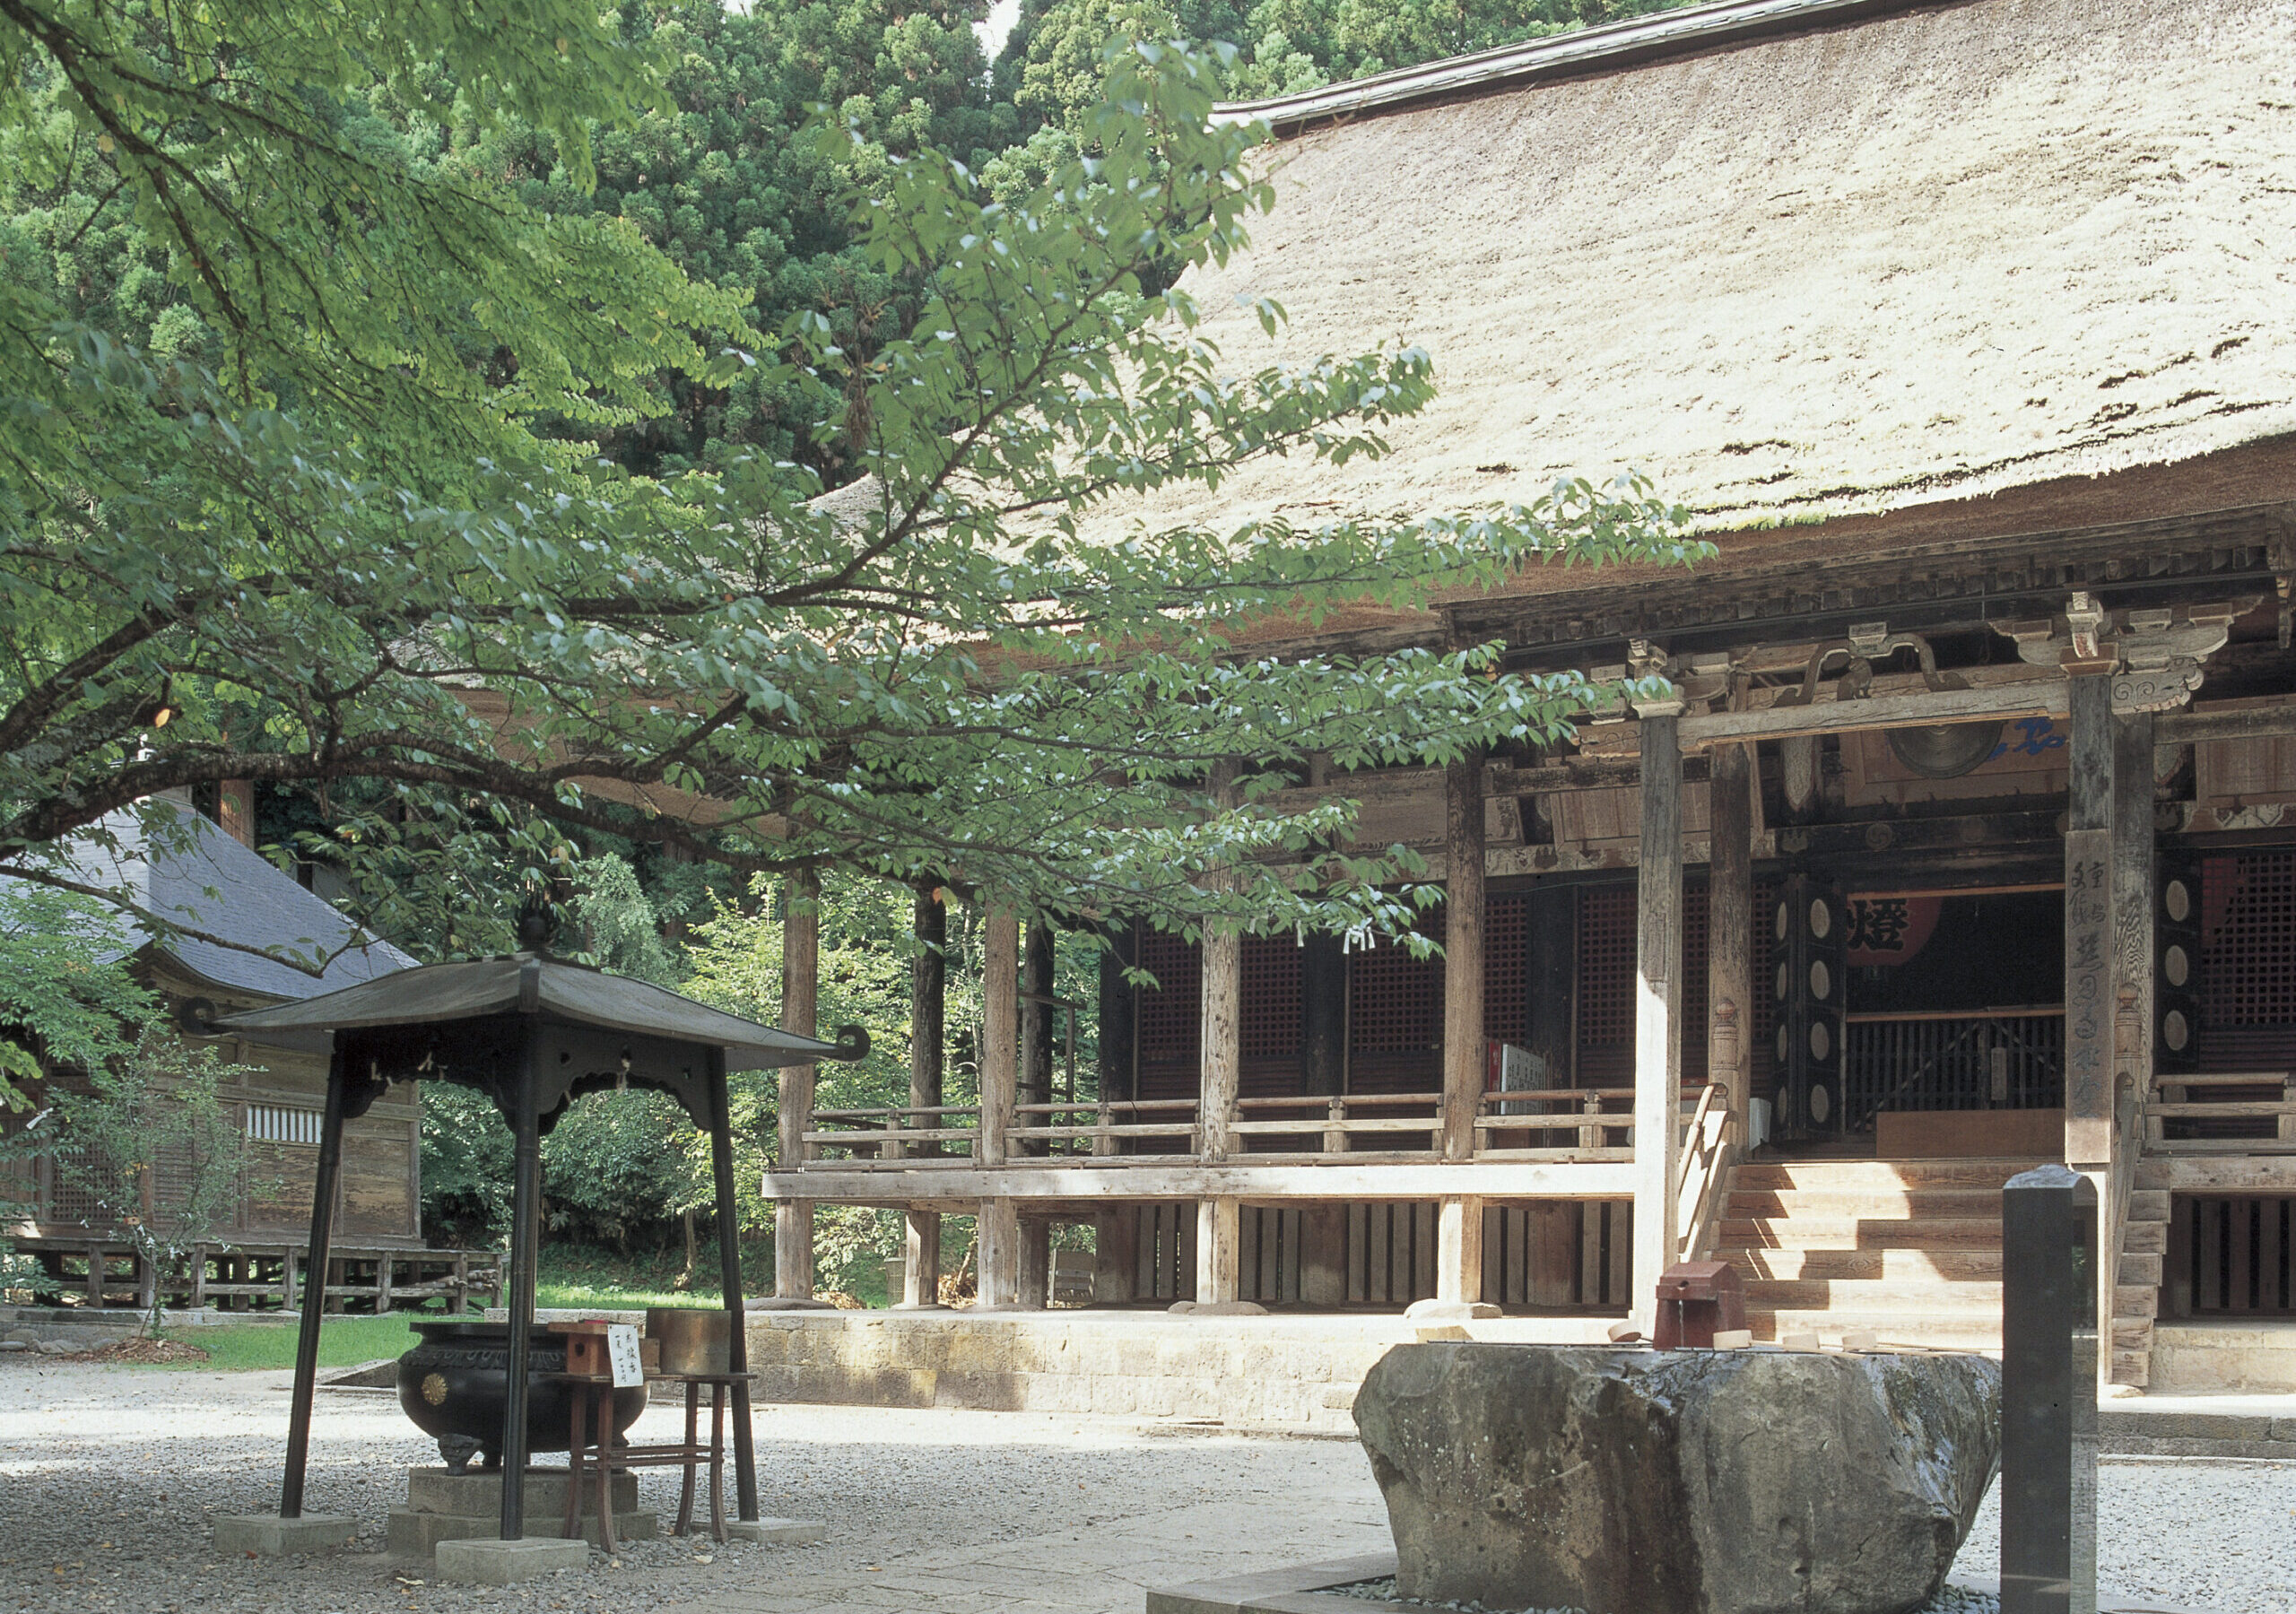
point(1929, 253)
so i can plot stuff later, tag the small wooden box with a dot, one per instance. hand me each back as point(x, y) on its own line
point(586, 1348)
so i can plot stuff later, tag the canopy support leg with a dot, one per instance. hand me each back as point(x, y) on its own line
point(729, 1256)
point(525, 1241)
point(314, 1296)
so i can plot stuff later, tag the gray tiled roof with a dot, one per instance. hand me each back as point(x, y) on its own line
point(194, 874)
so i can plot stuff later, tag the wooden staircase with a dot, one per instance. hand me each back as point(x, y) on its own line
point(1908, 1249)
point(2136, 1285)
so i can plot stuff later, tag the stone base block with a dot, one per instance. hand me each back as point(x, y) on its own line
point(773, 1532)
point(268, 1535)
point(497, 1563)
point(418, 1534)
point(433, 1489)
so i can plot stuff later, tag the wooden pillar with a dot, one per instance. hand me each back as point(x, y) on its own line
point(1552, 941)
point(2089, 1005)
point(1459, 1250)
point(1658, 1026)
point(1219, 1236)
point(1116, 1254)
point(1463, 916)
point(1035, 1083)
point(1000, 1032)
point(1220, 1033)
point(1323, 1015)
point(1322, 1254)
point(793, 1219)
point(1730, 927)
point(1033, 1291)
point(928, 988)
point(1117, 1032)
point(997, 1255)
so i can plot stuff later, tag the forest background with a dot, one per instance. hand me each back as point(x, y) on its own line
point(716, 175)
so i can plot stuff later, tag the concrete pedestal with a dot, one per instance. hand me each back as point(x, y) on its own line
point(443, 1507)
point(267, 1535)
point(773, 1532)
point(497, 1562)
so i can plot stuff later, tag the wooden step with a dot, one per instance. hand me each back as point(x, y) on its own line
point(1874, 1298)
point(1893, 1265)
point(1858, 1233)
point(1952, 1332)
point(2137, 1267)
point(2132, 1333)
point(2148, 1205)
point(1884, 1175)
point(2145, 1238)
point(2132, 1367)
point(2136, 1300)
point(1891, 1205)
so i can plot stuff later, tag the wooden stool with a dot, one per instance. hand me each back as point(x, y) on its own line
point(591, 1430)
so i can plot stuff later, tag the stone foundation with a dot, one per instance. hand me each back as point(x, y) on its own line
point(1294, 1374)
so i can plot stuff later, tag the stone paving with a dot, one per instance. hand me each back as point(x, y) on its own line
point(108, 1478)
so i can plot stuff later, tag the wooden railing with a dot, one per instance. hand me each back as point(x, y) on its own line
point(2189, 1107)
point(1558, 1124)
point(1708, 1152)
point(1090, 1129)
point(890, 1133)
point(2002, 1059)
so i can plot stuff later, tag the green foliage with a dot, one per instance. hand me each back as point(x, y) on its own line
point(950, 676)
point(466, 1164)
point(620, 930)
point(66, 995)
point(619, 1165)
point(1050, 69)
point(151, 1145)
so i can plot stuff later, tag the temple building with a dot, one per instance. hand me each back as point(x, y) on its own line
point(1966, 837)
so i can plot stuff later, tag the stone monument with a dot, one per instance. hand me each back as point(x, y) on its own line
point(2048, 1394)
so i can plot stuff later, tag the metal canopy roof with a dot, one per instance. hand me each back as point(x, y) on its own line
point(538, 985)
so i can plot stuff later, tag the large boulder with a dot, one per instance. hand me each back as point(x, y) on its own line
point(1632, 1482)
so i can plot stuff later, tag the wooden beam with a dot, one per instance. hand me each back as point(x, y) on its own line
point(957, 1188)
point(1657, 990)
point(793, 1222)
point(1927, 709)
point(2186, 728)
point(1463, 921)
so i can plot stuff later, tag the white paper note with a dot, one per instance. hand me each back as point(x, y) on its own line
point(622, 1355)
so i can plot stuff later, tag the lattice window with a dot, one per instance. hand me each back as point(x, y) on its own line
point(272, 1123)
point(1171, 1012)
point(1396, 1001)
point(1271, 1027)
point(1506, 970)
point(1607, 941)
point(2248, 942)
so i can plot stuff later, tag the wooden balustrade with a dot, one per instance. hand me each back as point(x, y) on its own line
point(1557, 1124)
point(2203, 1115)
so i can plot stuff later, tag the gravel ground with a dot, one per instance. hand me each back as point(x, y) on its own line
point(110, 1478)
